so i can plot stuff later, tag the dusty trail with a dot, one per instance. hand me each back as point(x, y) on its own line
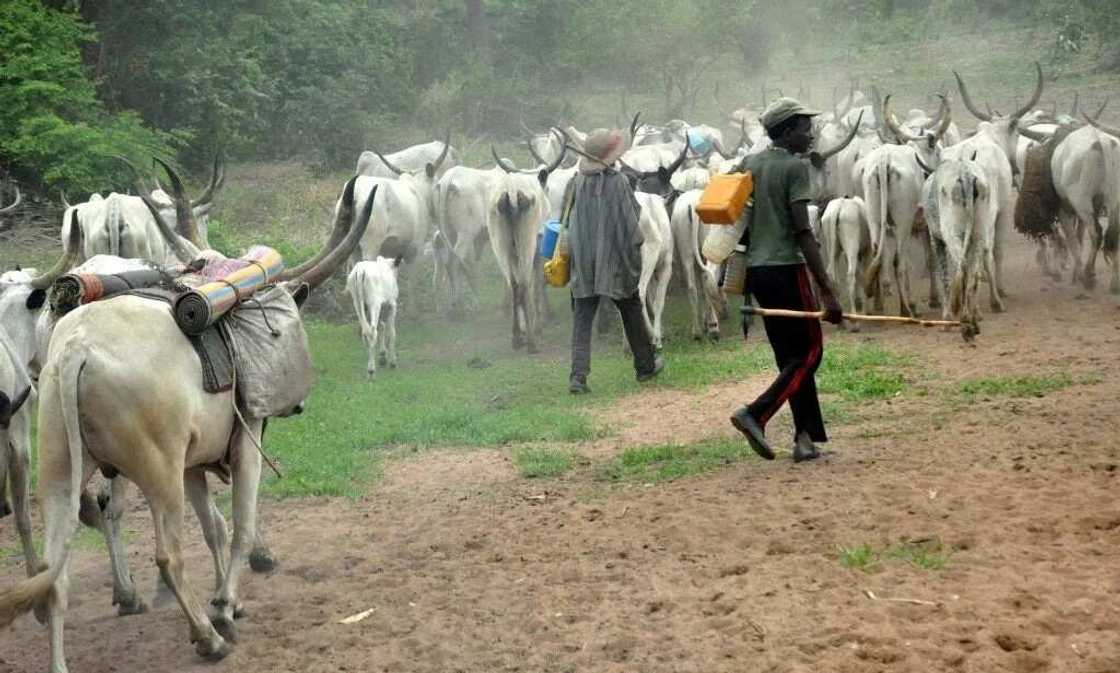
point(467, 568)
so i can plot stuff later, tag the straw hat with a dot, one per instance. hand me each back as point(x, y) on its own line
point(605, 145)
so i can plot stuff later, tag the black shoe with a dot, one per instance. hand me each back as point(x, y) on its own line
point(805, 449)
point(578, 386)
point(746, 424)
point(658, 365)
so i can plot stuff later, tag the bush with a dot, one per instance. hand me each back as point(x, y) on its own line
point(53, 130)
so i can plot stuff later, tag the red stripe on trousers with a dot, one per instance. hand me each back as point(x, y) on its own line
point(808, 304)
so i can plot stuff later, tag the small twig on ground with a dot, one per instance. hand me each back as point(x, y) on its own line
point(912, 601)
point(624, 511)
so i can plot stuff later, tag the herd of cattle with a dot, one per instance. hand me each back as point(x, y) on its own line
point(108, 375)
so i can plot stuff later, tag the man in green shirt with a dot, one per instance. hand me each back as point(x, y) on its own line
point(782, 253)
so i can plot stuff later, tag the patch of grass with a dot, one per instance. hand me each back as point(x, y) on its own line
point(924, 555)
point(534, 462)
point(1013, 386)
point(861, 371)
point(667, 462)
point(861, 557)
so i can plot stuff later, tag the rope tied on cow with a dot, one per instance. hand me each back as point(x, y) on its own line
point(1036, 210)
point(222, 285)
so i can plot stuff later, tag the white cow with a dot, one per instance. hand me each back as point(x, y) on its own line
point(657, 261)
point(16, 399)
point(1086, 172)
point(409, 160)
point(961, 217)
point(461, 204)
point(845, 235)
point(892, 185)
point(373, 287)
point(699, 275)
point(517, 204)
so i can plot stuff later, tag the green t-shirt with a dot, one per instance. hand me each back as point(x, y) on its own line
point(780, 179)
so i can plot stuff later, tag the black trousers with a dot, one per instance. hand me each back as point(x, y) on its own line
point(798, 347)
point(633, 323)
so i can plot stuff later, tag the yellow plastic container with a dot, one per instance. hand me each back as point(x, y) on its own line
point(723, 199)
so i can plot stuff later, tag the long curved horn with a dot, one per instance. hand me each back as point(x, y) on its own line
point(1101, 127)
point(573, 148)
point(634, 126)
point(1037, 136)
point(968, 100)
point(672, 168)
point(69, 256)
point(184, 250)
point(1100, 111)
point(65, 203)
point(718, 147)
point(927, 169)
point(329, 264)
point(446, 149)
point(844, 143)
point(8, 209)
point(388, 163)
point(945, 118)
point(183, 213)
point(1073, 109)
point(498, 160)
point(536, 157)
point(744, 139)
point(342, 221)
point(217, 179)
point(1035, 98)
point(892, 124)
point(563, 151)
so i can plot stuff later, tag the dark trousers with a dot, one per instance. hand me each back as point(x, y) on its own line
point(798, 347)
point(633, 323)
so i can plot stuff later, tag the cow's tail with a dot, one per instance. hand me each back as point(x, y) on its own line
point(1110, 151)
point(830, 222)
point(970, 251)
point(113, 224)
point(694, 228)
point(362, 306)
point(25, 595)
point(871, 276)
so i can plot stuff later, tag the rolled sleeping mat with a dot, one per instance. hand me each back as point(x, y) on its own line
point(223, 285)
point(72, 290)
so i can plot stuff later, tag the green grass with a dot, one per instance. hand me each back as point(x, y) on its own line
point(861, 371)
point(924, 555)
point(1013, 386)
point(667, 462)
point(533, 463)
point(861, 557)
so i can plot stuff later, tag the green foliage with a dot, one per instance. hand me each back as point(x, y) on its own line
point(53, 130)
point(1013, 386)
point(927, 555)
point(861, 557)
point(674, 461)
point(534, 462)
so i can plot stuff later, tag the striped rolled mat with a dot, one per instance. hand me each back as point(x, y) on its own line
point(222, 285)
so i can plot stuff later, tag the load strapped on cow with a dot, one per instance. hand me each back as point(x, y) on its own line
point(1036, 211)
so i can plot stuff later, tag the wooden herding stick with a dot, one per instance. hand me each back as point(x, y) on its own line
point(817, 315)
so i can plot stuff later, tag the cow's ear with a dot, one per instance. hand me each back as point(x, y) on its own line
point(817, 160)
point(397, 261)
point(301, 293)
point(932, 141)
point(36, 299)
point(542, 177)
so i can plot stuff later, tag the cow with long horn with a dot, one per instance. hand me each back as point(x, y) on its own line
point(517, 205)
point(100, 366)
point(409, 160)
point(403, 217)
point(11, 207)
point(994, 148)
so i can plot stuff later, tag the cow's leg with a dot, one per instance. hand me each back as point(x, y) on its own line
point(261, 559)
point(658, 289)
point(17, 443)
point(941, 275)
point(373, 339)
point(547, 315)
point(855, 292)
point(688, 276)
point(5, 506)
point(531, 314)
point(211, 521)
point(513, 304)
point(246, 465)
point(1111, 243)
point(1071, 232)
point(125, 596)
point(165, 495)
point(715, 299)
point(650, 257)
point(927, 245)
point(902, 278)
point(991, 268)
point(390, 330)
point(1004, 222)
point(1089, 273)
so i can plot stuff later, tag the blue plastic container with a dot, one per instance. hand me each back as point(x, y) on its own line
point(549, 237)
point(700, 143)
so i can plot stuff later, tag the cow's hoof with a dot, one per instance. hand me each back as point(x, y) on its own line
point(239, 611)
point(213, 649)
point(382, 359)
point(713, 336)
point(262, 561)
point(127, 608)
point(998, 307)
point(225, 627)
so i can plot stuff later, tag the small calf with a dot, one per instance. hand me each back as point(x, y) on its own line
point(373, 287)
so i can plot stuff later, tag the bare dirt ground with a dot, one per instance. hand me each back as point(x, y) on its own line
point(469, 567)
